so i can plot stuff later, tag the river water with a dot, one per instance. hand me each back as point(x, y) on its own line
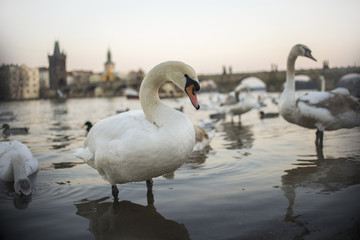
point(261, 179)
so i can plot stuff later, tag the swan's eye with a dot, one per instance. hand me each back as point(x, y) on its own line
point(308, 54)
point(190, 81)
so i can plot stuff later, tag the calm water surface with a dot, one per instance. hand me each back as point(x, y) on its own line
point(262, 179)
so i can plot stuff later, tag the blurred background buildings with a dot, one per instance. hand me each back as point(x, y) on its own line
point(22, 82)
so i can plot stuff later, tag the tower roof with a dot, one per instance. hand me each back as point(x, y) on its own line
point(57, 49)
point(108, 58)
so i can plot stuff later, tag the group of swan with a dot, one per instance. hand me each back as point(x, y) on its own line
point(119, 146)
point(316, 110)
point(139, 145)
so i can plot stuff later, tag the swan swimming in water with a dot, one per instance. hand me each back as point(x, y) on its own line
point(316, 110)
point(16, 164)
point(202, 139)
point(139, 145)
point(243, 104)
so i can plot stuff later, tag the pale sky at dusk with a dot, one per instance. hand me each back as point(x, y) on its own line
point(248, 35)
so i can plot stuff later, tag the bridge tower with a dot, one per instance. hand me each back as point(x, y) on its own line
point(57, 68)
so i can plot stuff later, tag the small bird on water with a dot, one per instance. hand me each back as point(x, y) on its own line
point(14, 131)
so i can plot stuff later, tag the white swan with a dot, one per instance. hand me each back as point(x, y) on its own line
point(16, 164)
point(202, 139)
point(320, 110)
point(323, 83)
point(339, 90)
point(140, 145)
point(243, 103)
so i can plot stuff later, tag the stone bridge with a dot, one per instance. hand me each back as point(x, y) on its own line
point(274, 80)
point(103, 89)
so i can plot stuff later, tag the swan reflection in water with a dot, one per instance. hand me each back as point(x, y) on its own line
point(324, 175)
point(237, 136)
point(127, 220)
point(59, 127)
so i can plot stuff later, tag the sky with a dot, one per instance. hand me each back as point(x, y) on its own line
point(246, 35)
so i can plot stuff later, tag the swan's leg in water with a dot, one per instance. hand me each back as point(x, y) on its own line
point(319, 138)
point(115, 191)
point(150, 195)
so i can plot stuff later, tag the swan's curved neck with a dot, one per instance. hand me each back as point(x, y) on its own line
point(18, 164)
point(290, 73)
point(149, 97)
point(322, 84)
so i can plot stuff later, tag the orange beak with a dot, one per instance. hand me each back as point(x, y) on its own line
point(190, 91)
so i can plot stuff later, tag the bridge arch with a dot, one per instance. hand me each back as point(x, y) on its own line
point(89, 91)
point(304, 81)
point(254, 83)
point(120, 90)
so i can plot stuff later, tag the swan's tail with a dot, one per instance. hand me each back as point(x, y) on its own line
point(85, 154)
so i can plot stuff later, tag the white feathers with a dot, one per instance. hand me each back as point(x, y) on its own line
point(314, 97)
point(16, 164)
point(139, 145)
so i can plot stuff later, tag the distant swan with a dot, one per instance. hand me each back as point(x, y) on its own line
point(6, 115)
point(321, 110)
point(242, 105)
point(16, 164)
point(8, 131)
point(339, 90)
point(140, 145)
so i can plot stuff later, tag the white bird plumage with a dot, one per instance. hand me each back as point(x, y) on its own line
point(244, 102)
point(202, 138)
point(16, 164)
point(316, 110)
point(339, 90)
point(142, 144)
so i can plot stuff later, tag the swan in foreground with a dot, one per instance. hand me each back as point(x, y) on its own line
point(139, 145)
point(16, 164)
point(14, 131)
point(316, 110)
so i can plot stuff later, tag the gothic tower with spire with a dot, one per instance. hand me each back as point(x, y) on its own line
point(109, 69)
point(57, 68)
